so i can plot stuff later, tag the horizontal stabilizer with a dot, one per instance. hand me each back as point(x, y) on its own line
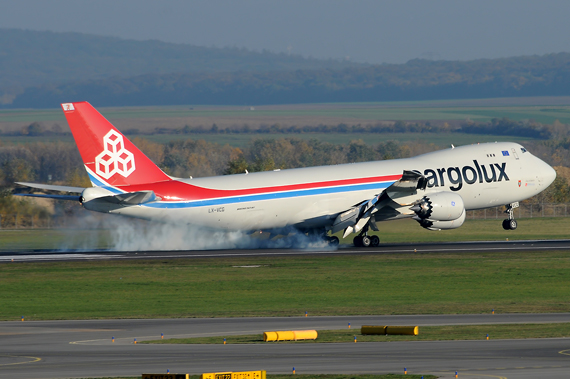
point(57, 197)
point(49, 187)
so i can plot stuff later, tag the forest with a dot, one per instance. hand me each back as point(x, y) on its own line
point(418, 79)
point(44, 69)
point(31, 58)
point(189, 156)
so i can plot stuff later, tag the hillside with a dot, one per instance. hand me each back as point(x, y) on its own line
point(32, 58)
point(547, 75)
point(43, 69)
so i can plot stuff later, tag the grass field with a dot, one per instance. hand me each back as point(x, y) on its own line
point(544, 110)
point(146, 119)
point(400, 231)
point(288, 286)
point(426, 333)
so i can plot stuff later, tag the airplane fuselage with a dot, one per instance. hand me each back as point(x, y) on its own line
point(484, 175)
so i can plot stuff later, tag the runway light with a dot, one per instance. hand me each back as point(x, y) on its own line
point(161, 336)
point(354, 339)
point(305, 313)
point(135, 341)
point(224, 341)
point(22, 318)
point(493, 311)
point(487, 337)
point(456, 374)
point(112, 339)
point(349, 325)
point(405, 371)
point(167, 371)
point(293, 370)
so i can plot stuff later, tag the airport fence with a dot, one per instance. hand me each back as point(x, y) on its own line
point(523, 211)
point(46, 221)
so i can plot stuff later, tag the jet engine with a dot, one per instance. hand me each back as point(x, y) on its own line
point(440, 210)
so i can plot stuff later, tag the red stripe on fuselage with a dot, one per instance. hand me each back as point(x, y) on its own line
point(174, 190)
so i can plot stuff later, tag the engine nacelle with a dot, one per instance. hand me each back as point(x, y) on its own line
point(440, 206)
point(441, 225)
point(440, 210)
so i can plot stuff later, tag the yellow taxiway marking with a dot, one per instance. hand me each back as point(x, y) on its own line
point(33, 359)
point(564, 352)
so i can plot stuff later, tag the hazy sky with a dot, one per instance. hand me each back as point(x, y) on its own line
point(366, 31)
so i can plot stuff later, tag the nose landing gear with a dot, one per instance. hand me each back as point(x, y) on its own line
point(510, 223)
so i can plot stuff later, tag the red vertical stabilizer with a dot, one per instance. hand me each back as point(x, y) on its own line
point(109, 157)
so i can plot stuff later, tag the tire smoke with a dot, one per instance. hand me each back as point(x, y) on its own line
point(118, 233)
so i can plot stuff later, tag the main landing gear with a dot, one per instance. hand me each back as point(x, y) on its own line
point(333, 241)
point(321, 234)
point(510, 223)
point(364, 240)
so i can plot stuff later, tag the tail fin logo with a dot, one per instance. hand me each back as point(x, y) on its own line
point(114, 159)
point(68, 107)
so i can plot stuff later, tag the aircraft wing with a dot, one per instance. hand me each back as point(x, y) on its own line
point(401, 192)
point(92, 194)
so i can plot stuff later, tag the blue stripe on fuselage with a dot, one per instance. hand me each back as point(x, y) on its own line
point(99, 183)
point(268, 196)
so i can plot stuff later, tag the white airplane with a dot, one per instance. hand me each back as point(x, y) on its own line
point(435, 189)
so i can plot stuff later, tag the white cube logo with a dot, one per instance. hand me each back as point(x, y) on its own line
point(68, 107)
point(114, 159)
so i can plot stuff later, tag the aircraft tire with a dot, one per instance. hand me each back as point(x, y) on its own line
point(512, 224)
point(374, 241)
point(357, 241)
point(366, 241)
point(506, 225)
point(334, 241)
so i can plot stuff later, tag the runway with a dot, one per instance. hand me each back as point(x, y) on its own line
point(79, 349)
point(66, 349)
point(401, 248)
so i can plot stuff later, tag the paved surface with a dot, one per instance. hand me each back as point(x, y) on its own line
point(65, 349)
point(407, 248)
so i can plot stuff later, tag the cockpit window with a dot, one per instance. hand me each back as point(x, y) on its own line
point(523, 150)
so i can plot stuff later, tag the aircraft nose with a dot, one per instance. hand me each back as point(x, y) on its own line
point(548, 174)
